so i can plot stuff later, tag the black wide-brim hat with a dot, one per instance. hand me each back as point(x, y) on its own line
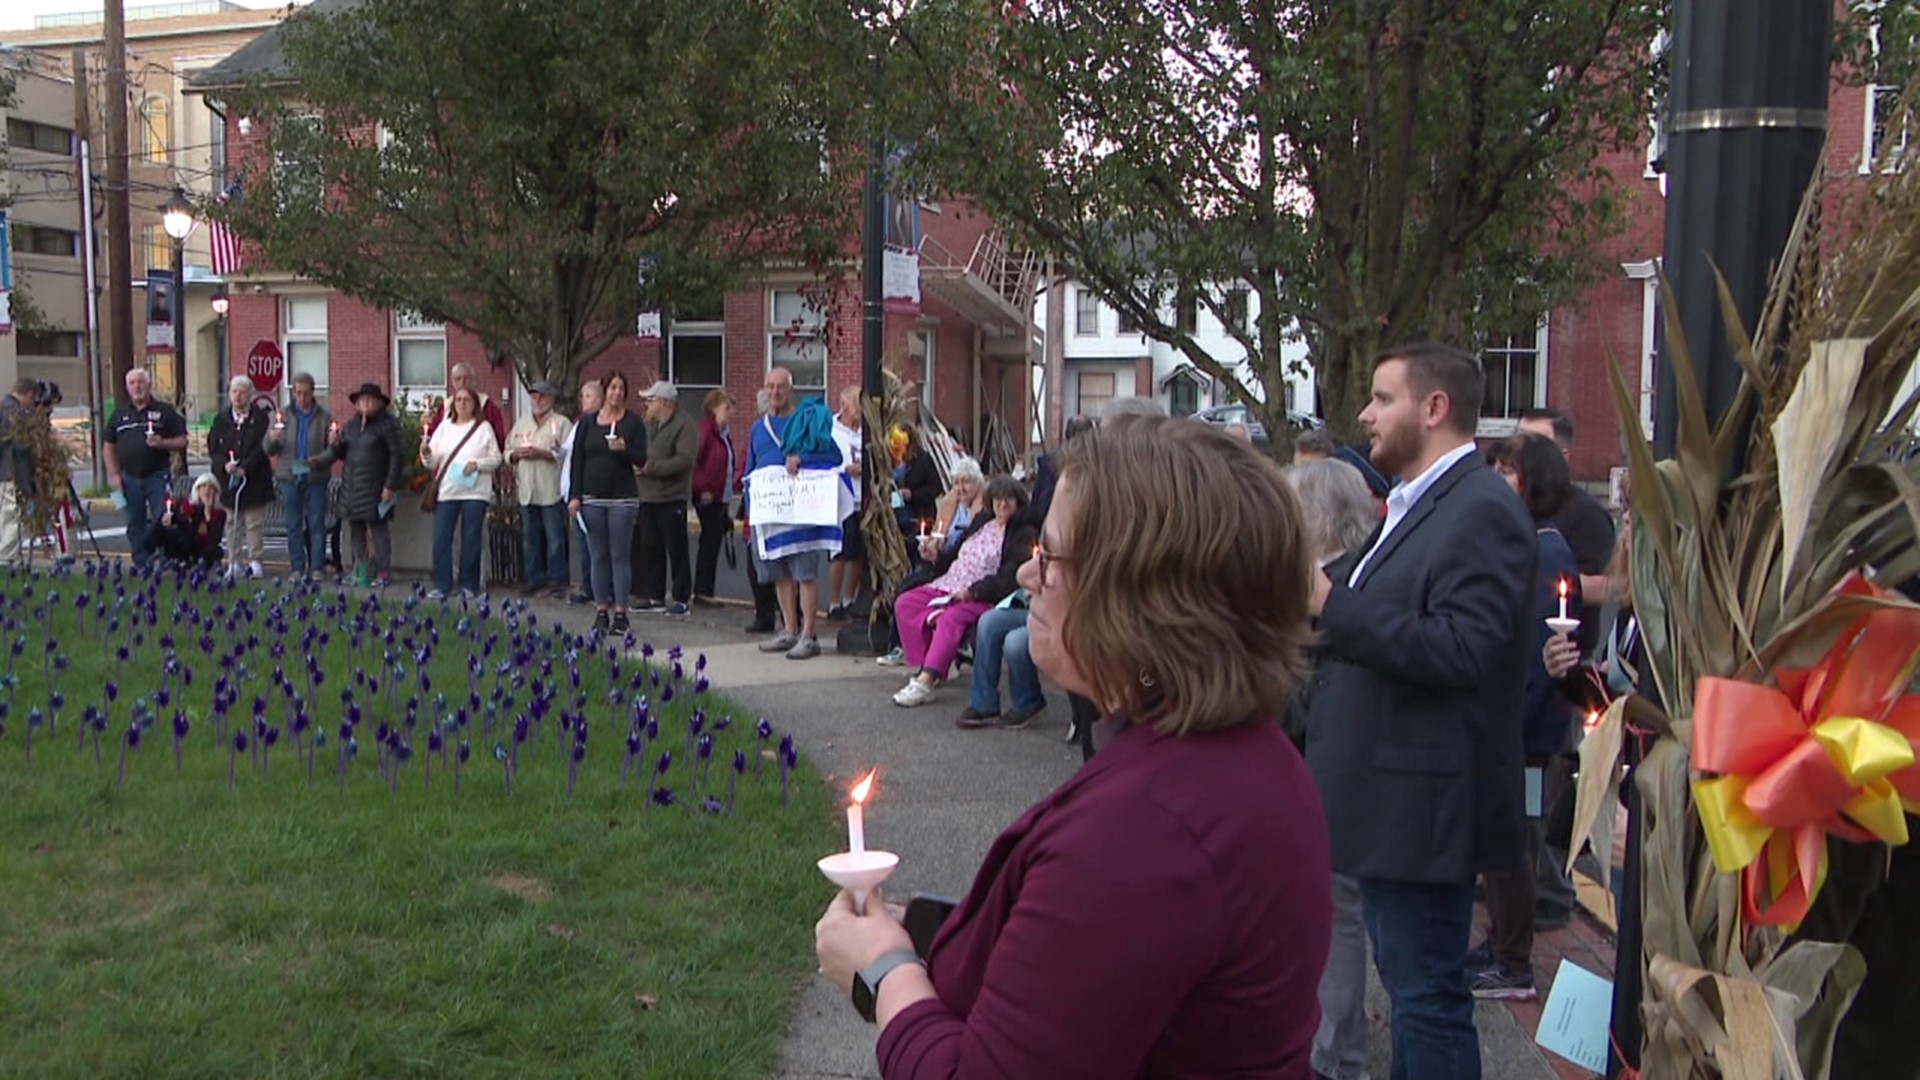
point(370, 389)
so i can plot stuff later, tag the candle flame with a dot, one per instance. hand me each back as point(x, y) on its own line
point(864, 788)
point(1593, 719)
point(1564, 588)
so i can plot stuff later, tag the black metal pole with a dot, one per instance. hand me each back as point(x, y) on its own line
point(873, 315)
point(1745, 128)
point(180, 335)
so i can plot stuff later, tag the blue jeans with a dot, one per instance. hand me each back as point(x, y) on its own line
point(303, 501)
point(1002, 632)
point(610, 551)
point(470, 517)
point(1420, 945)
point(543, 533)
point(146, 502)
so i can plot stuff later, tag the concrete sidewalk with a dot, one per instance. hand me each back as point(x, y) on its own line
point(944, 795)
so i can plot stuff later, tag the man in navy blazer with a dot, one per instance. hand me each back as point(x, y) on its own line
point(1413, 734)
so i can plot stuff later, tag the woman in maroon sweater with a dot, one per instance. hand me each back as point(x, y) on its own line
point(1167, 911)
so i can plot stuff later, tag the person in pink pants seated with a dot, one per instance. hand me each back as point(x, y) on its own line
point(973, 576)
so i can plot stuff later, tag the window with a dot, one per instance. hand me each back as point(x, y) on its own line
point(1128, 324)
point(1186, 312)
point(296, 162)
point(1096, 392)
point(48, 343)
point(1184, 391)
point(797, 340)
point(218, 141)
point(305, 339)
point(1086, 313)
point(44, 240)
point(1881, 103)
point(1236, 310)
point(419, 354)
point(32, 135)
point(1516, 379)
point(696, 359)
point(156, 130)
point(159, 247)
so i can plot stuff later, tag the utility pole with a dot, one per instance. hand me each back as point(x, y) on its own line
point(119, 219)
point(83, 168)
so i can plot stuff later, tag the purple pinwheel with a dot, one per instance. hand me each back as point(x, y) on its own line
point(739, 770)
point(234, 750)
point(700, 662)
point(712, 805)
point(634, 746)
point(761, 733)
point(662, 797)
point(579, 754)
point(129, 741)
point(704, 750)
point(788, 759)
point(34, 719)
point(180, 729)
point(460, 757)
point(659, 770)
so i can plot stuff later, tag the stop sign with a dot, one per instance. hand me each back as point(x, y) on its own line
point(265, 366)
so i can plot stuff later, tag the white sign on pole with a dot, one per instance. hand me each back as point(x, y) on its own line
point(810, 498)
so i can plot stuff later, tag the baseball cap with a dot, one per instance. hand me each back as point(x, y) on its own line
point(543, 387)
point(662, 389)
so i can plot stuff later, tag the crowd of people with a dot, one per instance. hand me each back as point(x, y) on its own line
point(1326, 705)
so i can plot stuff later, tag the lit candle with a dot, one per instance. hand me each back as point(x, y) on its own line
point(1563, 597)
point(926, 528)
point(856, 822)
point(169, 504)
point(1593, 720)
point(149, 427)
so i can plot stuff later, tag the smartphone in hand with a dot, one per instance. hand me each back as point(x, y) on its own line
point(925, 916)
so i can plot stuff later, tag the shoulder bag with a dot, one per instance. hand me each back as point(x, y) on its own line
point(430, 498)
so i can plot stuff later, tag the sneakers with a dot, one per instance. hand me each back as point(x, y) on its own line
point(915, 693)
point(1480, 958)
point(805, 649)
point(1499, 984)
point(896, 658)
point(677, 610)
point(255, 570)
point(600, 622)
point(780, 644)
point(646, 607)
point(973, 720)
point(1073, 730)
point(837, 612)
point(436, 595)
point(1020, 718)
point(620, 625)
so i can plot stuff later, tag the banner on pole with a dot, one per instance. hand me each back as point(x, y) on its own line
point(160, 311)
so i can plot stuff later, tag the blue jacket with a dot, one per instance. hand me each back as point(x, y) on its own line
point(763, 449)
point(1546, 718)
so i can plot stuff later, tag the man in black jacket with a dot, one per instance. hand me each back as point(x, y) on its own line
point(1414, 735)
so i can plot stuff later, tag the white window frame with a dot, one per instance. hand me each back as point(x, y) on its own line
point(292, 336)
point(695, 328)
point(1499, 427)
point(803, 334)
point(411, 327)
point(1869, 115)
point(1086, 309)
point(1645, 273)
point(284, 164)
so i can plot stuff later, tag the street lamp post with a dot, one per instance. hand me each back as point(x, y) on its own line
point(218, 302)
point(178, 218)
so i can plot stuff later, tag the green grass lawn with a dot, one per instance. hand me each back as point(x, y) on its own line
point(172, 927)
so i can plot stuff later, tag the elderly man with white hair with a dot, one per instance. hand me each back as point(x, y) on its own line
point(141, 439)
point(461, 377)
point(237, 447)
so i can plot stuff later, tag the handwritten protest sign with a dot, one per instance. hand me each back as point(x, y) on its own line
point(810, 498)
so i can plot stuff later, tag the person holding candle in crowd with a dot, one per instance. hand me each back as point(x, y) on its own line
point(296, 433)
point(608, 447)
point(970, 578)
point(579, 565)
point(917, 490)
point(1414, 728)
point(1166, 911)
point(463, 456)
point(238, 444)
point(953, 512)
point(1501, 967)
point(138, 450)
point(191, 531)
point(375, 467)
point(461, 377)
point(533, 448)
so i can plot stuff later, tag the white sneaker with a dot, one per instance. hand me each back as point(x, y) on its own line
point(255, 570)
point(896, 658)
point(780, 644)
point(913, 694)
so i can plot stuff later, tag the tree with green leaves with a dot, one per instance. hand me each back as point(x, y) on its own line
point(1376, 171)
point(504, 167)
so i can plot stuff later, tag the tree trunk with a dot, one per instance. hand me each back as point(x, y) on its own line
point(1343, 368)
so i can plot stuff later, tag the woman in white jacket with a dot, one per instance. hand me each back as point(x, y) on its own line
point(463, 454)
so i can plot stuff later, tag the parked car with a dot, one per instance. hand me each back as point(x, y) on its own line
point(1224, 415)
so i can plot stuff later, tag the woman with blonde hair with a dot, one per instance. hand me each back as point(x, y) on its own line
point(1166, 911)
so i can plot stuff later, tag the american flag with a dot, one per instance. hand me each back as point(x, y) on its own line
point(226, 245)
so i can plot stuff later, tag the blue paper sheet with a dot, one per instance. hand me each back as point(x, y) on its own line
point(1575, 1022)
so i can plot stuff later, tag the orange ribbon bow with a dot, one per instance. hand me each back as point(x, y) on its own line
point(1832, 750)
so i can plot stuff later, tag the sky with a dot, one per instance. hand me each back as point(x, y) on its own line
point(19, 14)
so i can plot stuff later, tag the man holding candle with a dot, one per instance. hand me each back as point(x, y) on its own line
point(138, 450)
point(298, 433)
point(1414, 728)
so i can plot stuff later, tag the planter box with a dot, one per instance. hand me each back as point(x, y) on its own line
point(501, 562)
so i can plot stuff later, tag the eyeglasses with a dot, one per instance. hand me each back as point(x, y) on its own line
point(1047, 559)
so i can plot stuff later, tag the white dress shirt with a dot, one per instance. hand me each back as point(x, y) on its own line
point(1401, 499)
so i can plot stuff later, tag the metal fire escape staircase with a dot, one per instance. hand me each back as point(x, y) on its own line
point(993, 288)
